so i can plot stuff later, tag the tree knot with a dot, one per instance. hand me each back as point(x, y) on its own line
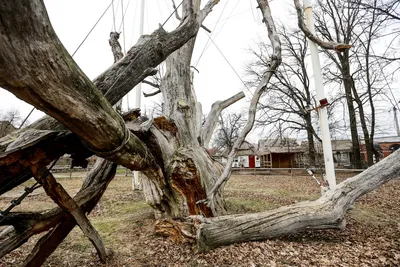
point(183, 105)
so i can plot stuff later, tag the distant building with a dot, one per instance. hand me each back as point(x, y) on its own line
point(384, 145)
point(281, 153)
point(342, 153)
point(288, 153)
point(246, 157)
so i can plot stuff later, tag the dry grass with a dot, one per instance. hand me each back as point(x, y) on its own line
point(126, 224)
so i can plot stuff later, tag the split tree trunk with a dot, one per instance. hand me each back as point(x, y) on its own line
point(189, 170)
point(46, 76)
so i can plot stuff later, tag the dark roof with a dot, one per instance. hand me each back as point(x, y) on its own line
point(246, 148)
point(280, 145)
point(342, 145)
point(384, 139)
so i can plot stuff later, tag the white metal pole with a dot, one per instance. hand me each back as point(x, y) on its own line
point(323, 112)
point(136, 182)
point(138, 95)
point(396, 122)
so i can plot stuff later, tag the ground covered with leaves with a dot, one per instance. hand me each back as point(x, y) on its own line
point(126, 225)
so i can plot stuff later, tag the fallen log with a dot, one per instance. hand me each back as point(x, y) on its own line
point(327, 212)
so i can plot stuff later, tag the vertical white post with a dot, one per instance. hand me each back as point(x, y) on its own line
point(136, 181)
point(138, 95)
point(323, 112)
point(396, 122)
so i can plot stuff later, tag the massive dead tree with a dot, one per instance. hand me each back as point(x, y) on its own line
point(168, 150)
point(37, 68)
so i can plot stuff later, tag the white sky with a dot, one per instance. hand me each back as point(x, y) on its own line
point(238, 28)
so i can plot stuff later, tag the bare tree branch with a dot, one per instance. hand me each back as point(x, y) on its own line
point(212, 118)
point(151, 83)
point(29, 224)
point(152, 94)
point(176, 11)
point(180, 19)
point(276, 59)
point(327, 45)
point(60, 196)
point(207, 9)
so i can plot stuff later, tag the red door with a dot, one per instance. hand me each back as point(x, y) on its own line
point(252, 161)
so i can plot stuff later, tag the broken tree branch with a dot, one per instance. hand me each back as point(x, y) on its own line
point(151, 84)
point(176, 11)
point(152, 94)
point(207, 9)
point(34, 146)
point(212, 117)
point(180, 19)
point(116, 49)
point(155, 85)
point(275, 61)
point(115, 46)
point(47, 77)
point(340, 47)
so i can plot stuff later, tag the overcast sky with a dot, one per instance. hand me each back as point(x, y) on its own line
point(236, 25)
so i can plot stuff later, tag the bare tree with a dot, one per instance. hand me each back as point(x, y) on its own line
point(288, 101)
point(9, 121)
point(370, 78)
point(336, 21)
point(354, 69)
point(387, 8)
point(230, 124)
point(388, 12)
